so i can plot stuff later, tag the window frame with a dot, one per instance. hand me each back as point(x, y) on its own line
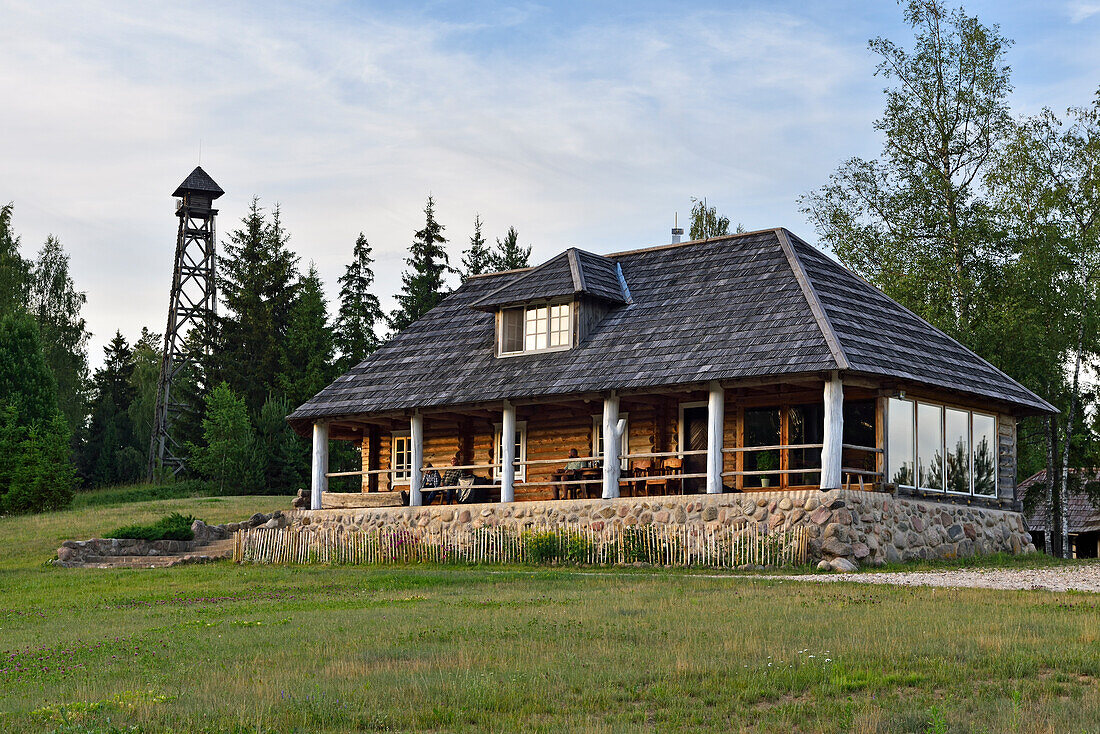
point(915, 402)
point(498, 435)
point(524, 309)
point(399, 476)
point(597, 437)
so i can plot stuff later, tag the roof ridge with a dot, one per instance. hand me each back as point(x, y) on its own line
point(525, 273)
point(822, 318)
point(930, 325)
point(575, 270)
point(671, 245)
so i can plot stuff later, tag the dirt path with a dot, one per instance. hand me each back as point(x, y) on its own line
point(1083, 577)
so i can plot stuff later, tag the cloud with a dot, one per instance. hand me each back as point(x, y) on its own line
point(588, 133)
point(1080, 10)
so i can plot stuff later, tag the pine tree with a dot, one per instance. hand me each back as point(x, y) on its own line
point(258, 287)
point(228, 457)
point(478, 259)
point(56, 304)
point(360, 313)
point(14, 270)
point(508, 254)
point(422, 283)
point(306, 363)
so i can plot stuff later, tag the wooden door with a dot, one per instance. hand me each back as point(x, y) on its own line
point(695, 439)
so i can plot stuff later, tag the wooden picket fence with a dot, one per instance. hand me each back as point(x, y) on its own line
point(664, 545)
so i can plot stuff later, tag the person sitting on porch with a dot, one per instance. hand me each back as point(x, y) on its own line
point(452, 477)
point(575, 465)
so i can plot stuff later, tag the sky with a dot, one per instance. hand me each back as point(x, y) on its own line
point(587, 124)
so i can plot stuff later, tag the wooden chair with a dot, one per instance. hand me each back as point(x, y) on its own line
point(640, 468)
point(664, 477)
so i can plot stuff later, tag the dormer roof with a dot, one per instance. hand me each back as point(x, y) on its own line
point(572, 273)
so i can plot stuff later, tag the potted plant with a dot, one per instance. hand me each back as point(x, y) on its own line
point(766, 461)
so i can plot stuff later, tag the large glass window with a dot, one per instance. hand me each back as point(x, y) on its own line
point(536, 328)
point(956, 424)
point(985, 455)
point(401, 458)
point(762, 429)
point(805, 425)
point(930, 446)
point(955, 449)
point(901, 443)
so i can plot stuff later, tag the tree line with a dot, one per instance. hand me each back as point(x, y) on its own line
point(273, 346)
point(986, 225)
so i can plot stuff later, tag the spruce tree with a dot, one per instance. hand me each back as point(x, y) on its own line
point(143, 383)
point(508, 254)
point(44, 477)
point(258, 284)
point(360, 313)
point(478, 259)
point(285, 456)
point(26, 382)
point(306, 363)
point(56, 304)
point(107, 456)
point(422, 283)
point(228, 457)
point(14, 270)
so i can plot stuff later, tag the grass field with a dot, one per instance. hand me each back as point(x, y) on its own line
point(222, 648)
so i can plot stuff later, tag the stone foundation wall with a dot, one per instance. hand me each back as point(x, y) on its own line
point(845, 527)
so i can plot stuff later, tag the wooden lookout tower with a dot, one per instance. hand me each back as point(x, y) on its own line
point(192, 308)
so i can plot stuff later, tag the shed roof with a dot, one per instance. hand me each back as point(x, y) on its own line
point(1083, 513)
point(759, 304)
point(199, 180)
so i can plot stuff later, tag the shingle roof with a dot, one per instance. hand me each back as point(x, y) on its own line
point(199, 180)
point(759, 304)
point(573, 272)
point(1082, 512)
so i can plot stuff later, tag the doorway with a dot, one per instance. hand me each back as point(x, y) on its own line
point(693, 437)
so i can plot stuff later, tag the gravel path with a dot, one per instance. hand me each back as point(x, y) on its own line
point(1082, 577)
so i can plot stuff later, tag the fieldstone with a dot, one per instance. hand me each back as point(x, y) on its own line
point(775, 520)
point(860, 550)
point(710, 513)
point(835, 547)
point(918, 524)
point(835, 530)
point(785, 504)
point(258, 519)
point(661, 517)
point(836, 504)
point(843, 565)
point(272, 523)
point(796, 514)
point(65, 553)
point(464, 516)
point(892, 555)
point(760, 514)
point(955, 532)
point(820, 515)
point(811, 503)
point(844, 517)
point(824, 565)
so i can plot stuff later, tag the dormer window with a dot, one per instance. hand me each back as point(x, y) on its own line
point(539, 327)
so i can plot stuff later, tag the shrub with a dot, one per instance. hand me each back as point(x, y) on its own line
point(545, 546)
point(171, 527)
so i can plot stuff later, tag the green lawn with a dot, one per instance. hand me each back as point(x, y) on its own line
point(256, 649)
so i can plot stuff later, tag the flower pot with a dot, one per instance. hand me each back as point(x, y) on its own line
point(765, 481)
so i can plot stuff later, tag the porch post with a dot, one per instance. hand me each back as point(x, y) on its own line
point(612, 445)
point(416, 477)
point(508, 454)
point(832, 442)
point(319, 482)
point(716, 414)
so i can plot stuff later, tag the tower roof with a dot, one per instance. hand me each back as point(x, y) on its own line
point(199, 180)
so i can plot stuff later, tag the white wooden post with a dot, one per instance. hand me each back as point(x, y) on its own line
point(319, 482)
point(612, 445)
point(416, 476)
point(716, 423)
point(508, 454)
point(832, 442)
